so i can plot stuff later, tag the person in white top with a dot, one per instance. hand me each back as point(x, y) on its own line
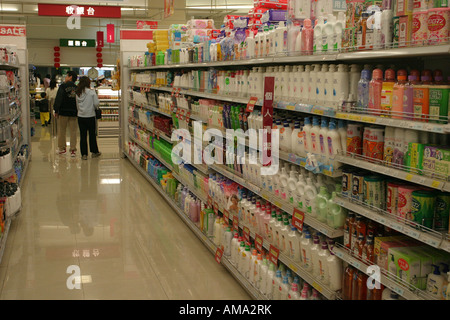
point(51, 92)
point(87, 102)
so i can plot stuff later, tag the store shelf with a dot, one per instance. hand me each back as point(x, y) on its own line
point(280, 203)
point(396, 173)
point(8, 66)
point(391, 281)
point(4, 237)
point(253, 292)
point(156, 132)
point(300, 161)
point(395, 53)
point(429, 237)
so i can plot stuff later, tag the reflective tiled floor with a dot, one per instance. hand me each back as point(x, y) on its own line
point(102, 218)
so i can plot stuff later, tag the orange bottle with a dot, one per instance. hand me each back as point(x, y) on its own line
point(360, 246)
point(359, 290)
point(368, 254)
point(361, 226)
point(347, 283)
point(375, 294)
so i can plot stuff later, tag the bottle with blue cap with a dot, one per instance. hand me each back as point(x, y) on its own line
point(362, 102)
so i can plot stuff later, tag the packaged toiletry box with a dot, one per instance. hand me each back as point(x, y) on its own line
point(382, 246)
point(406, 264)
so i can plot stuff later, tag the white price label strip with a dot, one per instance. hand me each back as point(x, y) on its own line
point(445, 245)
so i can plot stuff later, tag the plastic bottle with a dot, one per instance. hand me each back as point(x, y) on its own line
point(276, 284)
point(309, 198)
point(300, 191)
point(318, 33)
point(296, 139)
point(314, 136)
point(306, 244)
point(340, 85)
point(328, 87)
point(327, 34)
point(323, 141)
point(322, 260)
point(284, 288)
point(320, 92)
point(286, 137)
point(227, 245)
point(387, 90)
point(305, 293)
point(284, 232)
point(293, 292)
point(281, 38)
point(315, 256)
point(362, 103)
point(292, 186)
point(270, 280)
point(307, 142)
point(312, 89)
point(307, 47)
point(293, 244)
point(375, 86)
point(322, 204)
point(338, 29)
point(333, 144)
point(263, 269)
point(277, 231)
point(387, 28)
point(408, 95)
point(435, 282)
point(398, 94)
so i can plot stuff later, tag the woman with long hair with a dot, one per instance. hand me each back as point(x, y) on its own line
point(51, 92)
point(87, 102)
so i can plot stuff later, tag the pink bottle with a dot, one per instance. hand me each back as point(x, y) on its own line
point(408, 97)
point(375, 86)
point(398, 92)
point(307, 38)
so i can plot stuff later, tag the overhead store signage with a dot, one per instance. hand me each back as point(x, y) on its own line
point(77, 43)
point(136, 34)
point(13, 31)
point(62, 10)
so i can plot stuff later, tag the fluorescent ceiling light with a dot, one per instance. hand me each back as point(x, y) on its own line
point(109, 181)
point(220, 7)
point(131, 9)
point(9, 9)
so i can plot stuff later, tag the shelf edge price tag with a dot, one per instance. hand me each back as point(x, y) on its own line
point(251, 104)
point(235, 223)
point(274, 253)
point(218, 256)
point(298, 218)
point(226, 215)
point(210, 201)
point(216, 207)
point(259, 242)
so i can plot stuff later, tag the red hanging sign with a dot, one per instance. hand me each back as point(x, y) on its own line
point(267, 113)
point(246, 234)
point(146, 24)
point(235, 223)
point(219, 254)
point(110, 33)
point(251, 104)
point(259, 243)
point(85, 11)
point(100, 39)
point(13, 31)
point(274, 253)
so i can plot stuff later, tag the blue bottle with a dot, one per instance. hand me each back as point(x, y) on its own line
point(362, 103)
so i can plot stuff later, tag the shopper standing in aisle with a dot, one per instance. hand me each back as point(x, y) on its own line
point(66, 112)
point(43, 110)
point(87, 102)
point(51, 92)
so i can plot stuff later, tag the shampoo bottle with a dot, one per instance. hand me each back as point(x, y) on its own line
point(307, 38)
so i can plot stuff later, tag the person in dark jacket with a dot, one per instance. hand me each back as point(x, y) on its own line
point(65, 107)
point(43, 110)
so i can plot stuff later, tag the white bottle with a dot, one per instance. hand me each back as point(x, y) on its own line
point(312, 91)
point(245, 260)
point(327, 34)
point(234, 248)
point(285, 83)
point(250, 40)
point(299, 201)
point(314, 133)
point(435, 282)
point(284, 232)
point(263, 269)
point(281, 38)
point(355, 76)
point(341, 82)
point(292, 186)
point(334, 145)
point(315, 256)
point(320, 87)
point(310, 196)
point(306, 252)
point(298, 43)
point(318, 31)
point(276, 284)
point(239, 263)
point(227, 245)
point(293, 292)
point(284, 288)
point(293, 240)
point(342, 129)
point(270, 280)
point(286, 137)
point(296, 139)
point(293, 33)
point(283, 183)
point(217, 228)
point(292, 84)
point(338, 30)
point(305, 84)
point(323, 255)
point(323, 141)
point(307, 143)
point(277, 231)
point(387, 28)
point(335, 272)
point(252, 269)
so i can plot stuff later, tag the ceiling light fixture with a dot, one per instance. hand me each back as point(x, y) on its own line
point(219, 7)
point(9, 9)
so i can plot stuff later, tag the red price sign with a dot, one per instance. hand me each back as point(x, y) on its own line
point(226, 215)
point(235, 223)
point(274, 252)
point(251, 104)
point(216, 207)
point(210, 201)
point(219, 254)
point(298, 217)
point(246, 234)
point(259, 242)
point(173, 91)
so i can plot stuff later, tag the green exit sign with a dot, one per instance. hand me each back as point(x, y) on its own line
point(77, 43)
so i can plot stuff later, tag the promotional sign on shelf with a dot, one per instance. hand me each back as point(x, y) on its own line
point(298, 217)
point(13, 31)
point(100, 37)
point(274, 253)
point(251, 104)
point(259, 242)
point(267, 112)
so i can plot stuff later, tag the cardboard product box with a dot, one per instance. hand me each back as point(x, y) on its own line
point(406, 264)
point(382, 245)
point(404, 30)
point(426, 260)
point(442, 163)
point(415, 156)
point(348, 39)
point(429, 160)
point(404, 7)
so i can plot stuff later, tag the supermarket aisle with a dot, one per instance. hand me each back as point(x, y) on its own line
point(102, 216)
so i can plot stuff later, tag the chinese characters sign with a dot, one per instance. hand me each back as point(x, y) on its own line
point(339, 5)
point(77, 43)
point(267, 112)
point(61, 10)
